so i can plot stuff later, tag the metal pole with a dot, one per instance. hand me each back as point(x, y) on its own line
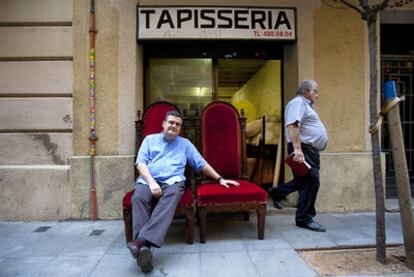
point(401, 172)
point(92, 111)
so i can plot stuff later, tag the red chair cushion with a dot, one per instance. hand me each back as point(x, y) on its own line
point(186, 200)
point(214, 193)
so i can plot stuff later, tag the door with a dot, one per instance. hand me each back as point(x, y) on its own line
point(401, 70)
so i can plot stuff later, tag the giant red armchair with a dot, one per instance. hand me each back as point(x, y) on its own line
point(151, 123)
point(224, 148)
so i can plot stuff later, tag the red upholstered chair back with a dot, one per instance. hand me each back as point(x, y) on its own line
point(221, 138)
point(154, 116)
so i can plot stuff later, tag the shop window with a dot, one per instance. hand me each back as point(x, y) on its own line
point(185, 82)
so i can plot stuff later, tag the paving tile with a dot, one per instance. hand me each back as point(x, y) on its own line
point(350, 236)
point(222, 245)
point(85, 246)
point(275, 230)
point(41, 247)
point(70, 266)
point(18, 229)
point(284, 262)
point(23, 266)
point(356, 219)
point(369, 231)
point(266, 244)
point(71, 228)
point(171, 245)
point(330, 221)
point(280, 220)
point(118, 246)
point(393, 220)
point(220, 236)
point(300, 238)
point(227, 264)
point(229, 228)
point(9, 246)
point(179, 264)
point(116, 265)
point(52, 242)
point(394, 236)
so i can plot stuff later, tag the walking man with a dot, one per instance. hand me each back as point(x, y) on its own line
point(306, 137)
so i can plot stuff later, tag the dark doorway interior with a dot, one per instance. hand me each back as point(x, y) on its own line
point(397, 39)
point(397, 63)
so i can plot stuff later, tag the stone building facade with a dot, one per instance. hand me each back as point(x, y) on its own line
point(44, 110)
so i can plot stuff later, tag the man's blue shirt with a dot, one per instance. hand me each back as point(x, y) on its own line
point(166, 160)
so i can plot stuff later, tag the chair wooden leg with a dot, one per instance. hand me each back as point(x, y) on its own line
point(261, 217)
point(189, 215)
point(202, 214)
point(127, 215)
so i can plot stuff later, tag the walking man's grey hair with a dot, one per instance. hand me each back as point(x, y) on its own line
point(306, 85)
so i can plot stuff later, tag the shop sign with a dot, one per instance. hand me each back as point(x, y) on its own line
point(216, 23)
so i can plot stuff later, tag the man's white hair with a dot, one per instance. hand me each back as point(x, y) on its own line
point(306, 85)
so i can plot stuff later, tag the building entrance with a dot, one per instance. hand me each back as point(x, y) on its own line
point(397, 63)
point(401, 70)
point(193, 74)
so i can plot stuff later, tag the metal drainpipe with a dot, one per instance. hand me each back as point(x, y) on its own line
point(92, 111)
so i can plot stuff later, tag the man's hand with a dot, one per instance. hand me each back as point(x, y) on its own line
point(155, 189)
point(227, 183)
point(293, 130)
point(298, 157)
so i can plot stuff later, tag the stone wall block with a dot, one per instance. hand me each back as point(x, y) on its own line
point(80, 184)
point(36, 77)
point(36, 113)
point(36, 11)
point(44, 42)
point(114, 177)
point(346, 183)
point(35, 148)
point(34, 193)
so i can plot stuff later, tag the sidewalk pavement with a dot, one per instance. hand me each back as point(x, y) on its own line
point(85, 248)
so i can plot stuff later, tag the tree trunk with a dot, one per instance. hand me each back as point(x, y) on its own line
point(375, 140)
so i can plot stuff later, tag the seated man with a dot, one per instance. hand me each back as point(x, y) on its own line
point(161, 163)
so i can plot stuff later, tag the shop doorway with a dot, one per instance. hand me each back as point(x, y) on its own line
point(247, 75)
point(397, 63)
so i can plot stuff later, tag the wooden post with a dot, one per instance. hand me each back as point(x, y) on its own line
point(401, 173)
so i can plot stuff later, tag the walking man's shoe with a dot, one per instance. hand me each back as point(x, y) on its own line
point(313, 226)
point(144, 259)
point(277, 204)
point(275, 200)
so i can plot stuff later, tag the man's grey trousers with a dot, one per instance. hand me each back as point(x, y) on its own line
point(153, 227)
